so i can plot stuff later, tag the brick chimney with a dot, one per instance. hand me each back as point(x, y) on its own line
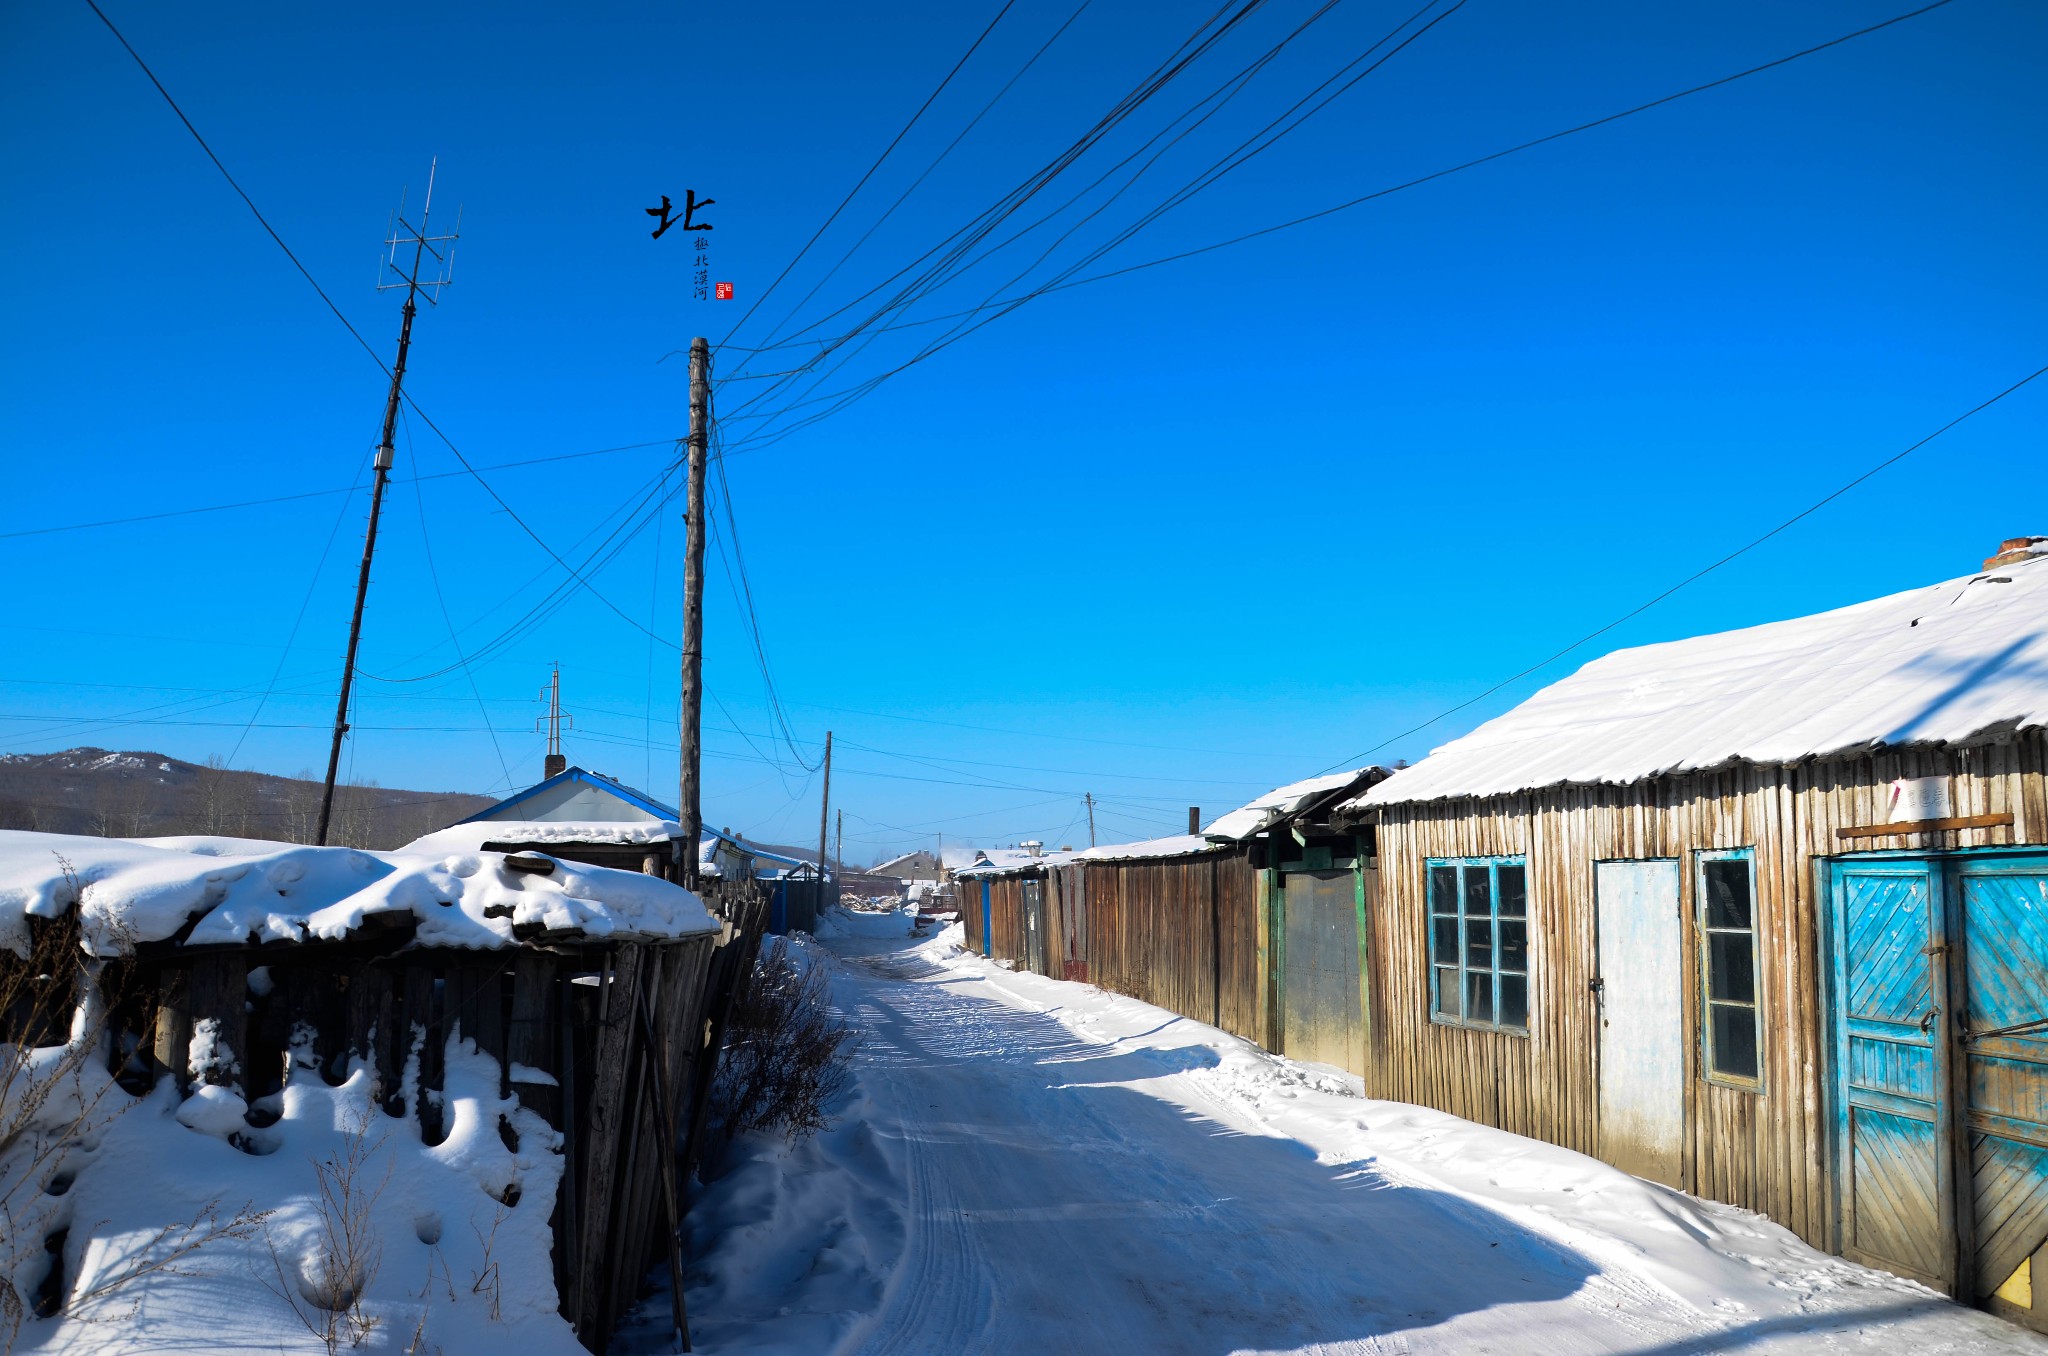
point(2015, 549)
point(554, 765)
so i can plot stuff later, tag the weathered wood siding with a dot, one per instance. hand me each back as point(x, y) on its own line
point(1179, 932)
point(1765, 1151)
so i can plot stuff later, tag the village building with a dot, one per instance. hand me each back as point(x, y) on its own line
point(1762, 915)
point(585, 816)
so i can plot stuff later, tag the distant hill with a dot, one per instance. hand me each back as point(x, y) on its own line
point(133, 794)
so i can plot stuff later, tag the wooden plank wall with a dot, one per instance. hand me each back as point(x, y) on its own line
point(1162, 930)
point(1767, 1151)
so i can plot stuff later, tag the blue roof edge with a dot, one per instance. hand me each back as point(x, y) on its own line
point(588, 778)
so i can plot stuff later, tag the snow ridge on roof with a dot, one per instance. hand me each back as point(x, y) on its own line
point(1952, 663)
point(1278, 804)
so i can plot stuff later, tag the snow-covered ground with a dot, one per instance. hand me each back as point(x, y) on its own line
point(1025, 1165)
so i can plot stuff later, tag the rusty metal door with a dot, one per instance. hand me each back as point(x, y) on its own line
point(1034, 926)
point(1322, 1013)
point(1074, 922)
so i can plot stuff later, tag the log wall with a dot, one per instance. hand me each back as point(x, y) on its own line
point(1767, 1151)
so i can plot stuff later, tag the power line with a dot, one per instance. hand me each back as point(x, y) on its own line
point(850, 193)
point(319, 494)
point(1696, 575)
point(1006, 305)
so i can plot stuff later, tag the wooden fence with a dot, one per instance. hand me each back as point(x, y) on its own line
point(1178, 932)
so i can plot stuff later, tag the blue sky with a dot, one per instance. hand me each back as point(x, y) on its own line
point(1170, 538)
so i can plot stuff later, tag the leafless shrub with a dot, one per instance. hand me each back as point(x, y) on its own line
point(487, 1278)
point(785, 1055)
point(166, 1252)
point(328, 1291)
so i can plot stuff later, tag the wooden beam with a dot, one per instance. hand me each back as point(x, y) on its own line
point(1998, 821)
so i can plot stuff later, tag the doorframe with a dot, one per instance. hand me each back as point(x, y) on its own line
point(1960, 1204)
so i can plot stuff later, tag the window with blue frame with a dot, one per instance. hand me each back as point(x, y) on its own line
point(1731, 1035)
point(1479, 942)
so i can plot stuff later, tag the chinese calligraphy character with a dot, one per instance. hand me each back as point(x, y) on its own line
point(690, 208)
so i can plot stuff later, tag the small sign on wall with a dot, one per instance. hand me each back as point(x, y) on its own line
point(1918, 798)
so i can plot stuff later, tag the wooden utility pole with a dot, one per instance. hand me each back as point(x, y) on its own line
point(690, 801)
point(423, 245)
point(1091, 819)
point(824, 820)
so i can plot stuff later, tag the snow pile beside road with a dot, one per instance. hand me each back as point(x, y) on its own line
point(793, 1243)
point(446, 1264)
point(241, 891)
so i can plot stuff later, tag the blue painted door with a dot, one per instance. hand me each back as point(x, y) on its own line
point(986, 920)
point(1892, 1058)
point(2004, 908)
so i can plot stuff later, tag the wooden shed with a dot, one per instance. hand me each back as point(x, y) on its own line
point(1763, 915)
point(242, 967)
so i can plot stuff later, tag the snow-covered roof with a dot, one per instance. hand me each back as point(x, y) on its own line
point(471, 834)
point(241, 890)
point(581, 795)
point(1278, 804)
point(1952, 663)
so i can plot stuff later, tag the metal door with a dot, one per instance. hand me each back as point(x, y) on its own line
point(1892, 1056)
point(987, 915)
point(2004, 908)
point(1034, 926)
point(1322, 1014)
point(1642, 995)
point(1074, 922)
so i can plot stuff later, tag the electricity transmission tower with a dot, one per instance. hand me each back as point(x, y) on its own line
point(423, 247)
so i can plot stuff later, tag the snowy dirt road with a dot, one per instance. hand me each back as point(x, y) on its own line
point(1032, 1166)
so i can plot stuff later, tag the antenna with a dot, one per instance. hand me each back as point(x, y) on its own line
point(423, 245)
point(402, 232)
point(553, 721)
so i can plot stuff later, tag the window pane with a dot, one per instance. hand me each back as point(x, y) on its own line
point(1514, 1001)
point(1444, 939)
point(1447, 991)
point(1478, 943)
point(1727, 883)
point(1514, 892)
point(1514, 944)
point(1731, 968)
point(1478, 893)
point(1479, 998)
point(1443, 889)
point(1734, 1040)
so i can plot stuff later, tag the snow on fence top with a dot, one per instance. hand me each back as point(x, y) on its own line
point(1952, 663)
point(1005, 861)
point(244, 891)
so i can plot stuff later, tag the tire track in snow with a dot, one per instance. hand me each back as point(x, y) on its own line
point(938, 1298)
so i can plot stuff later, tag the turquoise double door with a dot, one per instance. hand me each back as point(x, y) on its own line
point(1940, 1019)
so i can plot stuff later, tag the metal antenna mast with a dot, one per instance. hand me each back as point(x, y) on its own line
point(553, 721)
point(423, 245)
